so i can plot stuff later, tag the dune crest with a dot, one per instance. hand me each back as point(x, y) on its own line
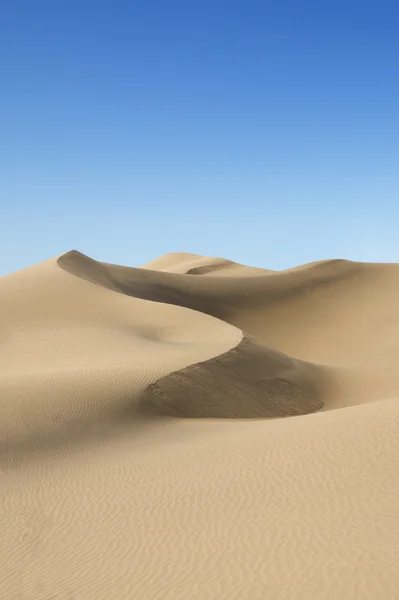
point(330, 315)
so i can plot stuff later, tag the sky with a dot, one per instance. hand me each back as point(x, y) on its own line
point(262, 132)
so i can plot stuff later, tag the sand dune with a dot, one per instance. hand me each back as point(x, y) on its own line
point(193, 264)
point(144, 447)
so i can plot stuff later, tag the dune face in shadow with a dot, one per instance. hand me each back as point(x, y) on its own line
point(248, 381)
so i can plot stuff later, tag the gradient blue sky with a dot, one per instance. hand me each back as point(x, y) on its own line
point(264, 132)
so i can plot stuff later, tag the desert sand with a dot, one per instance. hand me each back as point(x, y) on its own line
point(199, 429)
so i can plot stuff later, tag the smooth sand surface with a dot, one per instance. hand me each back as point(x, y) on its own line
point(199, 429)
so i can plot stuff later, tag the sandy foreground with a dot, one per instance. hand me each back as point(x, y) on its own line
point(199, 429)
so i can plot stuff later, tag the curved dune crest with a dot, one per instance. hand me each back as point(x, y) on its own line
point(335, 316)
point(247, 382)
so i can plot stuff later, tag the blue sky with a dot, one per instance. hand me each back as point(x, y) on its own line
point(264, 132)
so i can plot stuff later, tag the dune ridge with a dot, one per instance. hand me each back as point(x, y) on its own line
point(145, 449)
point(294, 312)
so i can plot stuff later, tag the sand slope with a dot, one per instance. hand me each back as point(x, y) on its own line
point(107, 495)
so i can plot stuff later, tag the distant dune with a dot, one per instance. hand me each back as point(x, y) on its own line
point(145, 449)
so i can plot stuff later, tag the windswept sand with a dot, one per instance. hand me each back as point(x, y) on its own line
point(145, 449)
